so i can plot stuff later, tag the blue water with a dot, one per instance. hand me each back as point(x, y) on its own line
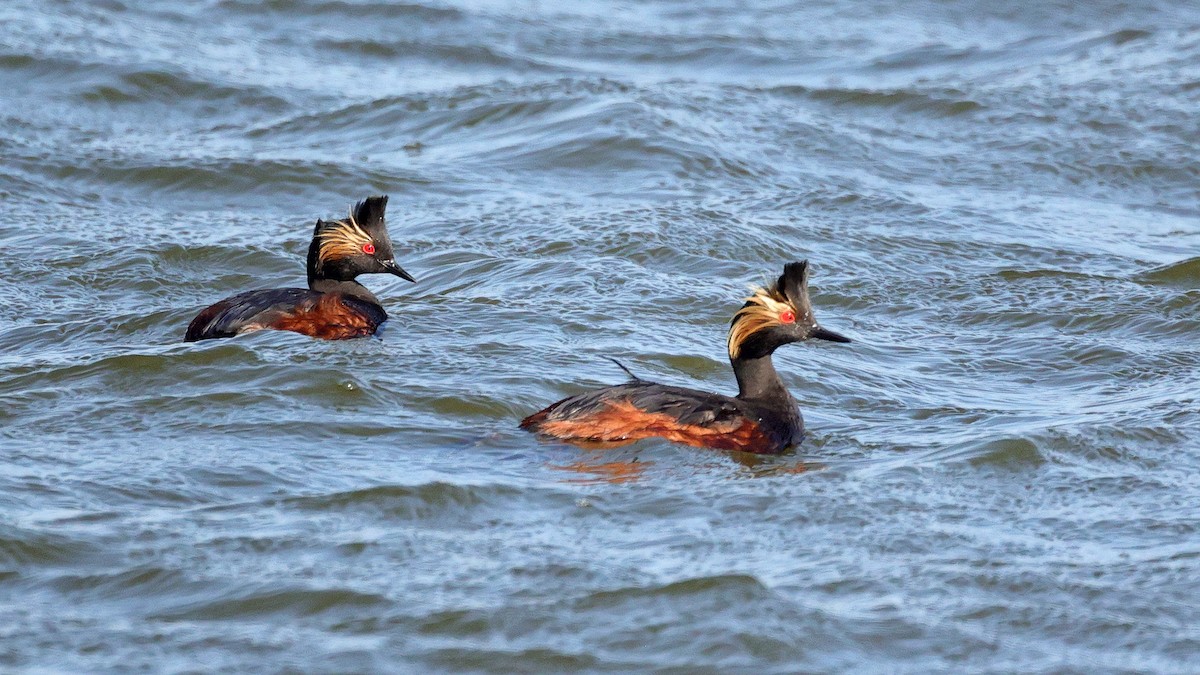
point(1000, 202)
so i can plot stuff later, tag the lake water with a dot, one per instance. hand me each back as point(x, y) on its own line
point(1001, 204)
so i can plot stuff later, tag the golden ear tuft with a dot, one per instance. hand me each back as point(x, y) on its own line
point(761, 312)
point(342, 239)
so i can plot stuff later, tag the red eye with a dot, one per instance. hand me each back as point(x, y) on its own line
point(787, 316)
point(369, 248)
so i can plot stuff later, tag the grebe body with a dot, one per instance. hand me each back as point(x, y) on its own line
point(763, 418)
point(334, 306)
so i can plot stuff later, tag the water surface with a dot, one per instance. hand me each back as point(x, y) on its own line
point(1001, 203)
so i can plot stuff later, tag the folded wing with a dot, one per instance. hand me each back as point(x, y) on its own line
point(629, 412)
point(331, 316)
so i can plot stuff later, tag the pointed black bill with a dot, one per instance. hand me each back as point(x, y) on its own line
point(822, 334)
point(391, 266)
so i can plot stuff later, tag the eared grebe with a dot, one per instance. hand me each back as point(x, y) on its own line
point(334, 306)
point(762, 418)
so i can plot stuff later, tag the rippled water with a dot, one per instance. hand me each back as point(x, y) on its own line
point(1001, 202)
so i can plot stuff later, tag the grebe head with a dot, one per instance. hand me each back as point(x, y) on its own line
point(776, 315)
point(358, 244)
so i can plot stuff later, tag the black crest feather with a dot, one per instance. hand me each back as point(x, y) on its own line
point(369, 211)
point(793, 284)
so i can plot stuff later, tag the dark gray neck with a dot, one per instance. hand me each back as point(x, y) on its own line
point(317, 280)
point(758, 381)
point(348, 287)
